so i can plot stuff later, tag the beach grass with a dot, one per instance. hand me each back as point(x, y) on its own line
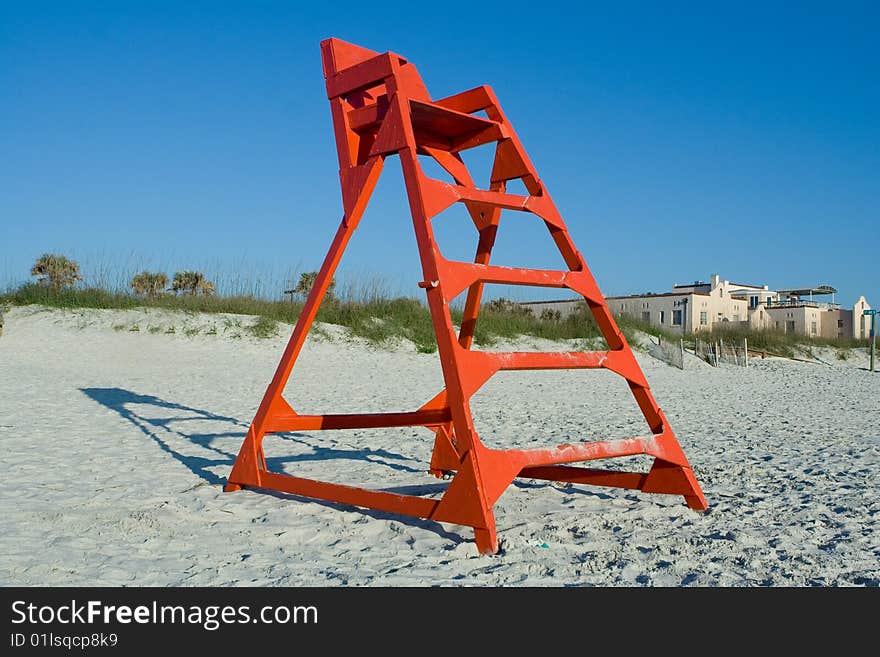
point(381, 319)
point(779, 342)
point(372, 316)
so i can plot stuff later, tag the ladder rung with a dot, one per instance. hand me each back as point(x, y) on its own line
point(457, 276)
point(497, 199)
point(485, 364)
point(591, 476)
point(295, 422)
point(372, 499)
point(549, 360)
point(541, 206)
point(591, 451)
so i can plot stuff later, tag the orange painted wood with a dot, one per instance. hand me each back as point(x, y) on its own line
point(380, 109)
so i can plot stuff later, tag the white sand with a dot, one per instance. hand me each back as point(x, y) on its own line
point(115, 445)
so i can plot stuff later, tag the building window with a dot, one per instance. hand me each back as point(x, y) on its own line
point(704, 318)
point(676, 318)
point(839, 323)
point(753, 302)
point(735, 317)
point(662, 317)
point(646, 317)
point(813, 328)
point(789, 326)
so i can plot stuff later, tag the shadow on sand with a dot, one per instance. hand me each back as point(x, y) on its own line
point(171, 423)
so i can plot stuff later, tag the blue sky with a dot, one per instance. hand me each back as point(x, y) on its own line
point(678, 140)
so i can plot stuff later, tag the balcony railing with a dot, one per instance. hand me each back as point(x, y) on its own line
point(809, 303)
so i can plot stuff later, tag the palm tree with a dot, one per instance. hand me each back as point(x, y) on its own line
point(56, 271)
point(191, 283)
point(204, 287)
point(149, 283)
point(307, 282)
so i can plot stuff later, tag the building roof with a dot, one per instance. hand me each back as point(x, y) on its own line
point(742, 294)
point(801, 291)
point(532, 303)
point(752, 287)
point(662, 294)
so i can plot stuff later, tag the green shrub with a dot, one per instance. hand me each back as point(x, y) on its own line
point(263, 327)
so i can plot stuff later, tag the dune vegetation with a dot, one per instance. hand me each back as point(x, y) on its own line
point(370, 314)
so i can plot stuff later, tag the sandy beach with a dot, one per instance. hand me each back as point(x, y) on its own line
point(118, 434)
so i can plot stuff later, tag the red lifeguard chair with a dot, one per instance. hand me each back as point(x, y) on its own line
point(380, 107)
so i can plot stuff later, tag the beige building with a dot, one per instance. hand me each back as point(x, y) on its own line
point(693, 307)
point(795, 311)
point(701, 306)
point(861, 324)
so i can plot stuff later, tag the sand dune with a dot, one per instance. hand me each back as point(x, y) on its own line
point(116, 442)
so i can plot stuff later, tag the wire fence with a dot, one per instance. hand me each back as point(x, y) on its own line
point(716, 352)
point(671, 352)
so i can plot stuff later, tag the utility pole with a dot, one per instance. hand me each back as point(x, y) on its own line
point(873, 334)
